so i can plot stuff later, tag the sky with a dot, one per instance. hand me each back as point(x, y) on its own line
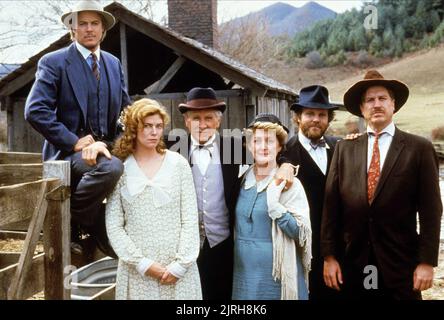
point(229, 9)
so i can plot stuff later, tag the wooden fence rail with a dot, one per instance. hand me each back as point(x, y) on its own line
point(46, 204)
point(20, 157)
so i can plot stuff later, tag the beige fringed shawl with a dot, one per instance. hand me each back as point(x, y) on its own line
point(286, 249)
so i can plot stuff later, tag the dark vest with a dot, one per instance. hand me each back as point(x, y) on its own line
point(98, 102)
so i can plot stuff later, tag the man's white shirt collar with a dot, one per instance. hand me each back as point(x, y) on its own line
point(86, 52)
point(390, 129)
point(306, 142)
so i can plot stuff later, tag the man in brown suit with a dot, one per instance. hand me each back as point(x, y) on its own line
point(376, 187)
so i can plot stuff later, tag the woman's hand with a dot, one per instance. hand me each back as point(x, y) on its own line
point(168, 278)
point(156, 271)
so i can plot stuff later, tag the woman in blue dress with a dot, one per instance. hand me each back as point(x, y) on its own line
point(272, 246)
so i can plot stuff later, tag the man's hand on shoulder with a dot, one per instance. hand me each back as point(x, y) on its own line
point(286, 172)
point(352, 136)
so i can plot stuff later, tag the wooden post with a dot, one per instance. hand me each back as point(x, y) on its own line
point(124, 53)
point(25, 261)
point(57, 232)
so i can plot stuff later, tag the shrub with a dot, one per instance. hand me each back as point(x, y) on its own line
point(314, 60)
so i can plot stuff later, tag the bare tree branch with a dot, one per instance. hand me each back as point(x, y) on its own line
point(41, 19)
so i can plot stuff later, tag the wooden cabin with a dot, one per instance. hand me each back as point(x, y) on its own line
point(158, 63)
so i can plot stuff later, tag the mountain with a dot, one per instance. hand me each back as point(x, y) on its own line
point(284, 19)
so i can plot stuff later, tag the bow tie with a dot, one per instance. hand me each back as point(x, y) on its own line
point(203, 146)
point(207, 147)
point(321, 143)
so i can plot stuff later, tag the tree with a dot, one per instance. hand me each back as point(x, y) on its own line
point(249, 42)
point(40, 20)
point(375, 47)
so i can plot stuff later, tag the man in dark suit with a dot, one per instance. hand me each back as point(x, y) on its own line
point(75, 103)
point(376, 187)
point(313, 151)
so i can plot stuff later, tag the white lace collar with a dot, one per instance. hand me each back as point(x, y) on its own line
point(137, 181)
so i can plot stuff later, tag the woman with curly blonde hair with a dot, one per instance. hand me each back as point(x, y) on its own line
point(151, 216)
point(272, 243)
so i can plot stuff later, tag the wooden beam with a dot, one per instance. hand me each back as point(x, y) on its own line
point(20, 157)
point(124, 53)
point(16, 235)
point(34, 282)
point(19, 82)
point(160, 84)
point(190, 52)
point(20, 173)
point(18, 201)
point(57, 233)
point(181, 95)
point(35, 227)
point(230, 84)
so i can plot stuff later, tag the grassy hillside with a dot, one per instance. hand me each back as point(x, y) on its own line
point(423, 72)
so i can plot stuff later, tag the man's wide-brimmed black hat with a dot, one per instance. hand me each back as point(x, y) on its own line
point(267, 117)
point(200, 99)
point(313, 97)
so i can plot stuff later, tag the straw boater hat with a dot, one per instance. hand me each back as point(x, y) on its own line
point(69, 18)
point(352, 98)
point(200, 99)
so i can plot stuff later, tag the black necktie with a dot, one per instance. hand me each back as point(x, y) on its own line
point(321, 143)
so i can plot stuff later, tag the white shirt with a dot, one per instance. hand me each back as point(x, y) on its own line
point(384, 143)
point(202, 156)
point(319, 155)
point(86, 53)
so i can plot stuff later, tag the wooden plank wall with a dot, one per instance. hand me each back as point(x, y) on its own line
point(21, 136)
point(234, 116)
point(279, 107)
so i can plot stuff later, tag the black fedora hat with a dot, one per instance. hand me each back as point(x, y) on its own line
point(202, 98)
point(313, 97)
point(267, 117)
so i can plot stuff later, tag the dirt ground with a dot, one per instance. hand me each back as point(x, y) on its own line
point(434, 293)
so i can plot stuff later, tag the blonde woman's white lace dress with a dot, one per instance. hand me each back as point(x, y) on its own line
point(155, 220)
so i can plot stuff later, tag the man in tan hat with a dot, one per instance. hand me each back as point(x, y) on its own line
point(71, 105)
point(376, 187)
